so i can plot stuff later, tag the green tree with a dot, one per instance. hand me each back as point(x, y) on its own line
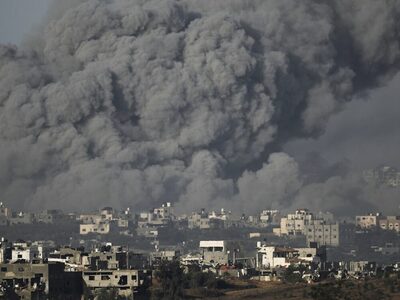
point(171, 278)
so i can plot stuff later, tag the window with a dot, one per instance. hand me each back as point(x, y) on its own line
point(19, 255)
point(91, 277)
point(105, 277)
point(133, 277)
point(3, 269)
point(83, 229)
point(123, 280)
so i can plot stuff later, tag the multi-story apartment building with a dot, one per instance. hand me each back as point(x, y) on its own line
point(322, 233)
point(293, 224)
point(302, 222)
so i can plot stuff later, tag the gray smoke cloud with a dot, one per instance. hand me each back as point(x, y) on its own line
point(131, 103)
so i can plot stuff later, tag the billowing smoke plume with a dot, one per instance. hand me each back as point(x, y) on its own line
point(131, 103)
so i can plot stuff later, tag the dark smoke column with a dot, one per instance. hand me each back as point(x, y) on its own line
point(130, 103)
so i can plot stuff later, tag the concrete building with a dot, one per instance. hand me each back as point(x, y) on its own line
point(269, 217)
point(108, 258)
point(368, 221)
point(217, 252)
point(98, 228)
point(315, 229)
point(125, 281)
point(147, 232)
point(269, 257)
point(294, 224)
point(390, 223)
point(322, 233)
point(21, 218)
point(49, 216)
point(203, 220)
point(73, 259)
point(158, 217)
point(90, 218)
point(221, 215)
point(164, 255)
point(165, 212)
point(22, 251)
point(33, 281)
point(5, 211)
point(107, 213)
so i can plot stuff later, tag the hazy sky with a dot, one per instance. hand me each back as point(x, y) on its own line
point(18, 16)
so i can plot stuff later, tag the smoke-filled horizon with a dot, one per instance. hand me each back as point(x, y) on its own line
point(133, 103)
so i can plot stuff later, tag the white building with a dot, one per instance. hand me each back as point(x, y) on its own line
point(269, 257)
point(222, 215)
point(28, 253)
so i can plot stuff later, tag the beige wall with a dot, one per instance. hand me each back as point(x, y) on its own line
point(94, 228)
point(366, 221)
